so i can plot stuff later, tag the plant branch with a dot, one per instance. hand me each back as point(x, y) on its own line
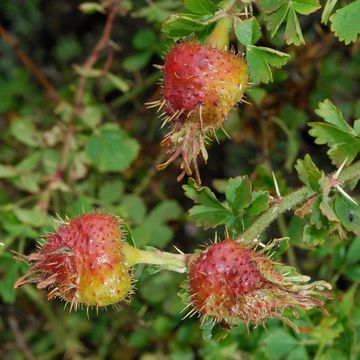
point(289, 202)
point(38, 74)
point(44, 200)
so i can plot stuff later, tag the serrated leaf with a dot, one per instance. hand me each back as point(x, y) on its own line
point(309, 173)
point(331, 114)
point(200, 7)
point(343, 140)
point(259, 203)
point(181, 25)
point(305, 7)
point(111, 149)
point(247, 31)
point(238, 193)
point(210, 212)
point(261, 59)
point(293, 33)
point(345, 22)
point(279, 11)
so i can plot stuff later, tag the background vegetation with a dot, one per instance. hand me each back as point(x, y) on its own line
point(57, 161)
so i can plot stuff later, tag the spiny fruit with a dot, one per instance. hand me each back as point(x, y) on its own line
point(201, 85)
point(82, 262)
point(233, 283)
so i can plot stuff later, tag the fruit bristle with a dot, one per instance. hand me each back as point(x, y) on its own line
point(82, 262)
point(233, 284)
point(201, 85)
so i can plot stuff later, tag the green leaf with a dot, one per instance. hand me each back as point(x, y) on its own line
point(276, 12)
point(34, 217)
point(331, 114)
point(313, 236)
point(344, 142)
point(345, 22)
point(91, 7)
point(210, 212)
point(238, 193)
point(247, 31)
point(329, 7)
point(118, 82)
point(353, 253)
point(7, 171)
point(309, 173)
point(7, 291)
point(111, 149)
point(144, 39)
point(348, 214)
point(261, 59)
point(24, 131)
point(181, 25)
point(278, 343)
point(111, 191)
point(133, 208)
point(200, 7)
point(165, 211)
point(259, 203)
point(293, 33)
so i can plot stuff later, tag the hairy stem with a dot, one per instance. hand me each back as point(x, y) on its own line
point(169, 261)
point(289, 202)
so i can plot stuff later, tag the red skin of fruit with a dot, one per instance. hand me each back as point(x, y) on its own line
point(201, 86)
point(233, 283)
point(82, 262)
point(198, 75)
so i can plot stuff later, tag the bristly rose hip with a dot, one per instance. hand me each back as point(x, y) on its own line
point(201, 85)
point(234, 284)
point(82, 262)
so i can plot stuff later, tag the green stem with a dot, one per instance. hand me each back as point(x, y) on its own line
point(169, 261)
point(220, 36)
point(289, 202)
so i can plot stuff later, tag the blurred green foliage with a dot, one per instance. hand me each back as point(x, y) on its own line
point(109, 164)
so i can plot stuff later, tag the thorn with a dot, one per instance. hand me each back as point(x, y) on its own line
point(161, 106)
point(338, 171)
point(345, 194)
point(201, 118)
point(224, 131)
point(276, 185)
point(178, 250)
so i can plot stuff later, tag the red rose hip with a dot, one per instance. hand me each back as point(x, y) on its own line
point(235, 284)
point(201, 85)
point(82, 262)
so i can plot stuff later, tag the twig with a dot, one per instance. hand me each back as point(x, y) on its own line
point(44, 201)
point(94, 56)
point(50, 90)
point(19, 338)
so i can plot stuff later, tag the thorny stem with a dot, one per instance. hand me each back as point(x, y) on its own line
point(290, 201)
point(170, 261)
point(50, 90)
point(44, 200)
